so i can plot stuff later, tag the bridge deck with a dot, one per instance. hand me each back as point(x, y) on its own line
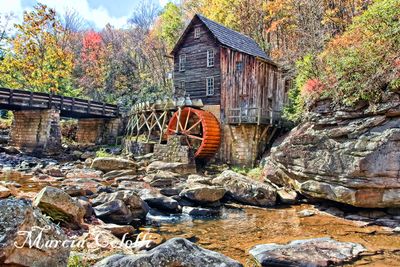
point(14, 99)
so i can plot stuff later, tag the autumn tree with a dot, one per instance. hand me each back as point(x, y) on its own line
point(92, 65)
point(35, 59)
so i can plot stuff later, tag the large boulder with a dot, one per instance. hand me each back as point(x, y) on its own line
point(309, 252)
point(155, 200)
point(176, 167)
point(107, 164)
point(162, 179)
point(203, 193)
point(121, 207)
point(348, 155)
point(246, 190)
point(17, 216)
point(174, 252)
point(60, 206)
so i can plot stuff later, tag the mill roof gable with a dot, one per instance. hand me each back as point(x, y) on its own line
point(226, 37)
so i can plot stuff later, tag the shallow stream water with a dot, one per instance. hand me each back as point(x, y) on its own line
point(238, 230)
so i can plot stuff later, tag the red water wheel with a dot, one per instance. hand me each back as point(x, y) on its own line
point(199, 128)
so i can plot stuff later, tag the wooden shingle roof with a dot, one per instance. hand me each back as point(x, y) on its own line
point(233, 39)
point(228, 38)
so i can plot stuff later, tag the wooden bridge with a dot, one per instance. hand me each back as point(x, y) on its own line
point(13, 99)
point(36, 126)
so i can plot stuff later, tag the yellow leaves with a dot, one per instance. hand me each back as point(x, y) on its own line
point(36, 59)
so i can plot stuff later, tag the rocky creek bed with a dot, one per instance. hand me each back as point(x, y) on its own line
point(177, 216)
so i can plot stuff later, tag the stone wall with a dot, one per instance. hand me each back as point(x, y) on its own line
point(174, 151)
point(138, 148)
point(243, 144)
point(36, 131)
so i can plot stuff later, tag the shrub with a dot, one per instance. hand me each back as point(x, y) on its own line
point(69, 129)
point(306, 71)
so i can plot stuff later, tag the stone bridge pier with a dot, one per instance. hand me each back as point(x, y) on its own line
point(39, 131)
point(98, 131)
point(36, 131)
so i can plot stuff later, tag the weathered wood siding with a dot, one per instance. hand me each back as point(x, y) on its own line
point(258, 85)
point(196, 70)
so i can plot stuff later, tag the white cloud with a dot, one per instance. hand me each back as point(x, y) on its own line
point(7, 6)
point(163, 2)
point(98, 16)
point(14, 7)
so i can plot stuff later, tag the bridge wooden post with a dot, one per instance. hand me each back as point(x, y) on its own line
point(10, 99)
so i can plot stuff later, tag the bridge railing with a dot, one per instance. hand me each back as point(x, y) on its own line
point(21, 98)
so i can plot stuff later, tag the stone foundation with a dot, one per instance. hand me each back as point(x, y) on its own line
point(174, 151)
point(36, 131)
point(98, 131)
point(243, 144)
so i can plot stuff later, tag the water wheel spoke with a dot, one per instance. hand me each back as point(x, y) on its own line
point(194, 125)
point(187, 120)
point(195, 137)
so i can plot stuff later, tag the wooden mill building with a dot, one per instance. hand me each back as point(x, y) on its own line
point(236, 81)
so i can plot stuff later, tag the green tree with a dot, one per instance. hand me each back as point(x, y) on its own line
point(35, 59)
point(171, 24)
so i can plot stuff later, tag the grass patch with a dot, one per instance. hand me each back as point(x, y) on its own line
point(102, 153)
point(76, 261)
point(254, 173)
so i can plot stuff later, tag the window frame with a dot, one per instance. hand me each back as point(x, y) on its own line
point(210, 58)
point(182, 62)
point(239, 64)
point(210, 91)
point(196, 32)
point(182, 85)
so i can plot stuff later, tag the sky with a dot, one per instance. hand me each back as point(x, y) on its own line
point(97, 12)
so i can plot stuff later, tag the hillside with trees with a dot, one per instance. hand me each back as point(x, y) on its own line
point(350, 47)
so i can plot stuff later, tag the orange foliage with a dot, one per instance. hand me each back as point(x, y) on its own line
point(92, 45)
point(313, 87)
